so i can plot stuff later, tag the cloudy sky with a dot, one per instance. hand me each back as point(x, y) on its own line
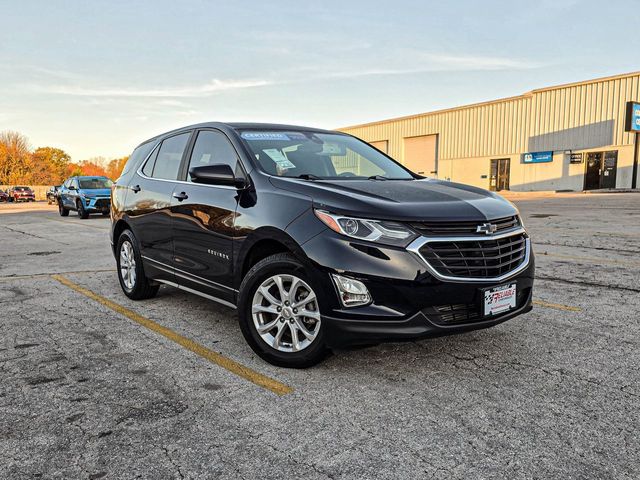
point(96, 78)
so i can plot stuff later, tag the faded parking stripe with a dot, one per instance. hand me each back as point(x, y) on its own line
point(556, 306)
point(214, 357)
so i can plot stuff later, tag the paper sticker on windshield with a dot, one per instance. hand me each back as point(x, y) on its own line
point(277, 156)
point(332, 149)
point(264, 136)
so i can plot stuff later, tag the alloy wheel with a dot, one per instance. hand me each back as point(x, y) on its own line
point(285, 313)
point(127, 265)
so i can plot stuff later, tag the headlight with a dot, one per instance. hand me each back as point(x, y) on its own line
point(379, 231)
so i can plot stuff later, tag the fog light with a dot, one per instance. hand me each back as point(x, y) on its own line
point(353, 293)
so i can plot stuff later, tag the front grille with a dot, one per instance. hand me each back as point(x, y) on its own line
point(488, 258)
point(466, 312)
point(102, 203)
point(430, 229)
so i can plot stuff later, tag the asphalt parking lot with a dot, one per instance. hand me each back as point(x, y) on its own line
point(97, 386)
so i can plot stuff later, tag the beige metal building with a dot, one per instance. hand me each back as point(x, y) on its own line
point(568, 137)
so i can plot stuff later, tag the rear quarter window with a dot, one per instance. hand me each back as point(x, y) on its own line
point(138, 156)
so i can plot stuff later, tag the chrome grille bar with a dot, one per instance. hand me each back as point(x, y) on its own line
point(472, 258)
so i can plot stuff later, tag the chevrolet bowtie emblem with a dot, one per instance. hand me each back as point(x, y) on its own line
point(487, 228)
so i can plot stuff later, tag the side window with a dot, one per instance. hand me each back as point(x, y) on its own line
point(167, 161)
point(213, 148)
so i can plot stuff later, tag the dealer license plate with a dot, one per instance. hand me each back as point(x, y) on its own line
point(499, 299)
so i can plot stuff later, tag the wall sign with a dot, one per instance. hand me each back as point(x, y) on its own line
point(632, 120)
point(575, 158)
point(537, 157)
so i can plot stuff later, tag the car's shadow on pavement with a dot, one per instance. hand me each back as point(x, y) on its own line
point(453, 355)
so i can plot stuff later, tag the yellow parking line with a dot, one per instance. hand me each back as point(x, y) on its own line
point(214, 357)
point(557, 306)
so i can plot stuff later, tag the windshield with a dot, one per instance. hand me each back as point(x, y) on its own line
point(320, 156)
point(22, 189)
point(95, 183)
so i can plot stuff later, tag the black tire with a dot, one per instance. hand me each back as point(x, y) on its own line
point(143, 288)
point(82, 213)
point(63, 211)
point(287, 264)
point(105, 214)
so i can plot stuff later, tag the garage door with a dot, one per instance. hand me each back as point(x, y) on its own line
point(420, 154)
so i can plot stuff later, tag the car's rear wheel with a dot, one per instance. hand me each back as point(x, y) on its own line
point(82, 212)
point(63, 211)
point(133, 281)
point(279, 313)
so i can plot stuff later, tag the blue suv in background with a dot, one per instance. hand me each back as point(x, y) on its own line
point(85, 195)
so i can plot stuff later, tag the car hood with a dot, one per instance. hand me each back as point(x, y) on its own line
point(404, 200)
point(100, 192)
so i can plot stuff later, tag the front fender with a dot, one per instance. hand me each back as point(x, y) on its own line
point(263, 234)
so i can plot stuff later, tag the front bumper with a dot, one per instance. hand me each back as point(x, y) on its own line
point(100, 204)
point(341, 332)
point(408, 301)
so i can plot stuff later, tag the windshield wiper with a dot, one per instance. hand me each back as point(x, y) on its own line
point(309, 176)
point(377, 177)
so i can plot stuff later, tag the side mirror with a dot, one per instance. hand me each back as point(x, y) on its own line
point(218, 174)
point(71, 187)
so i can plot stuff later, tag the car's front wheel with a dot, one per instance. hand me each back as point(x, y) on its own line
point(279, 313)
point(133, 281)
point(63, 211)
point(82, 212)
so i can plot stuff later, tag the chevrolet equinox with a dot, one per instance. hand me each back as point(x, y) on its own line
point(317, 238)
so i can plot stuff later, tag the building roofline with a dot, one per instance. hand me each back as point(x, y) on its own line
point(490, 102)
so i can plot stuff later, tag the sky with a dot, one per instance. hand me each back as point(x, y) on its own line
point(97, 78)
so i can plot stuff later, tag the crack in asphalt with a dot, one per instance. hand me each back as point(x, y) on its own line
point(15, 230)
point(175, 465)
point(573, 246)
point(587, 284)
point(549, 371)
point(288, 455)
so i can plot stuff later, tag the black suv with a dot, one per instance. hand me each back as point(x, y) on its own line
point(317, 238)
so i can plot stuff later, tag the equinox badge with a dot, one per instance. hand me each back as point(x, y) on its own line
point(487, 228)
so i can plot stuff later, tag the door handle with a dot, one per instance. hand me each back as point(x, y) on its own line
point(180, 196)
point(136, 188)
